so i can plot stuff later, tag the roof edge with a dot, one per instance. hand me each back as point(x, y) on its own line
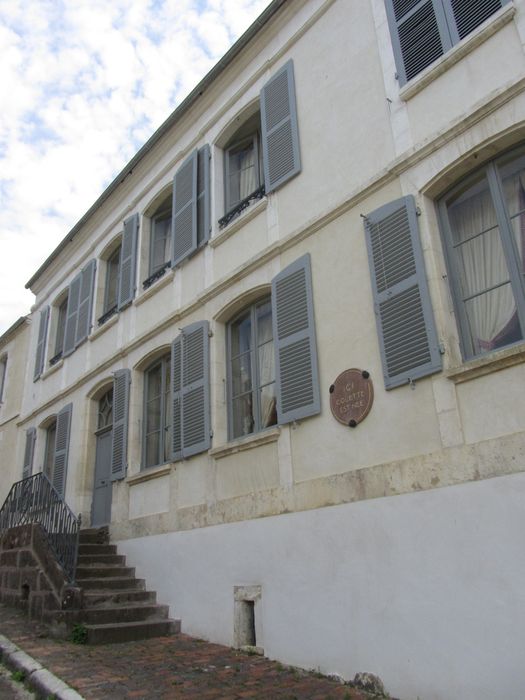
point(174, 117)
point(10, 331)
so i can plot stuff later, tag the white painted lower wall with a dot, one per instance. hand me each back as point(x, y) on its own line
point(425, 590)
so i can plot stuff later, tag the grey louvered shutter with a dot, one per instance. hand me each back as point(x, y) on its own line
point(41, 343)
point(73, 301)
point(128, 262)
point(465, 15)
point(405, 323)
point(280, 134)
point(203, 194)
point(29, 453)
point(195, 413)
point(184, 210)
point(85, 302)
point(119, 438)
point(296, 373)
point(62, 449)
point(419, 32)
point(176, 398)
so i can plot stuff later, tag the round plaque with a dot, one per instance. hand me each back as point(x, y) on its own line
point(351, 396)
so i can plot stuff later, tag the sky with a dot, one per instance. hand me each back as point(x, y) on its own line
point(84, 83)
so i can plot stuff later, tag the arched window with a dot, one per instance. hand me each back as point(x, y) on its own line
point(157, 413)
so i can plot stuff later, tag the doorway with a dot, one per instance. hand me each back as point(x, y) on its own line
point(102, 487)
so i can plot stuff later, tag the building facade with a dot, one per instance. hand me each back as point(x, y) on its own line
point(345, 189)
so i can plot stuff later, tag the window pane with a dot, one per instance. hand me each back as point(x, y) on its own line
point(242, 169)
point(471, 211)
point(241, 335)
point(50, 450)
point(112, 280)
point(243, 421)
point(264, 322)
point(152, 450)
point(167, 412)
point(154, 383)
point(153, 415)
point(61, 326)
point(268, 406)
point(493, 321)
point(513, 176)
point(160, 242)
point(241, 374)
point(266, 363)
point(482, 263)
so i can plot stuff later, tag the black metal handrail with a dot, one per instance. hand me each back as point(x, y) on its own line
point(35, 500)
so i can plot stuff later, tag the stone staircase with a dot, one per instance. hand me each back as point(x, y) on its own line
point(116, 606)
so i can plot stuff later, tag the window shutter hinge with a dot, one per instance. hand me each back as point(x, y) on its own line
point(442, 348)
point(418, 211)
point(210, 333)
point(411, 383)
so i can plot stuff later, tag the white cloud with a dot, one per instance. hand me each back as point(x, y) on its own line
point(84, 83)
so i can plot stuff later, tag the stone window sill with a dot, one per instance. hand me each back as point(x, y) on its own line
point(104, 327)
point(246, 443)
point(162, 282)
point(486, 365)
point(457, 52)
point(149, 474)
point(53, 368)
point(247, 215)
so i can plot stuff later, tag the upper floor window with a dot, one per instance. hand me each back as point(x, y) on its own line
point(243, 164)
point(60, 329)
point(423, 30)
point(112, 277)
point(160, 241)
point(251, 363)
point(483, 221)
point(3, 373)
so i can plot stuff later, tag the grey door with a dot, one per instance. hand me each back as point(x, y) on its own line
point(102, 490)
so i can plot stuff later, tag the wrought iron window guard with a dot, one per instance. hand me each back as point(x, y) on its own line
point(56, 358)
point(35, 501)
point(243, 204)
point(109, 313)
point(156, 275)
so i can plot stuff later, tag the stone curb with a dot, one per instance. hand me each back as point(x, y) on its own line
point(38, 679)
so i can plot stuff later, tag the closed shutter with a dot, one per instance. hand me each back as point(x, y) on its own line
point(297, 378)
point(128, 262)
point(119, 438)
point(203, 195)
point(73, 301)
point(29, 453)
point(176, 398)
point(85, 302)
point(280, 135)
point(62, 449)
point(184, 210)
point(419, 34)
point(405, 323)
point(465, 15)
point(41, 343)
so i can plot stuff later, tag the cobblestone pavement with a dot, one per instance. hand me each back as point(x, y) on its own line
point(168, 667)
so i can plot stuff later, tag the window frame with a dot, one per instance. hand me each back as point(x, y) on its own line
point(60, 329)
point(164, 430)
point(163, 212)
point(113, 264)
point(490, 171)
point(256, 385)
point(49, 450)
point(254, 138)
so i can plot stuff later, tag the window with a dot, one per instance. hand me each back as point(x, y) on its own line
point(251, 377)
point(263, 153)
point(423, 30)
point(57, 449)
point(272, 356)
point(3, 373)
point(160, 241)
point(79, 309)
point(49, 456)
point(157, 413)
point(29, 452)
point(243, 166)
point(483, 221)
point(41, 343)
point(112, 277)
point(60, 330)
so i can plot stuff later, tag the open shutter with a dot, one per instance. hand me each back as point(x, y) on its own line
point(405, 323)
point(119, 438)
point(29, 453)
point(41, 344)
point(184, 210)
point(464, 16)
point(128, 262)
point(280, 135)
point(176, 398)
point(297, 379)
point(62, 449)
point(419, 34)
point(73, 300)
point(203, 195)
point(195, 388)
point(85, 302)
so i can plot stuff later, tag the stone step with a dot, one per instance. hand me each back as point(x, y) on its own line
point(100, 560)
point(137, 612)
point(90, 548)
point(96, 535)
point(131, 631)
point(95, 571)
point(110, 598)
point(114, 583)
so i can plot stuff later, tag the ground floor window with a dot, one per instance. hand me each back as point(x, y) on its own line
point(157, 413)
